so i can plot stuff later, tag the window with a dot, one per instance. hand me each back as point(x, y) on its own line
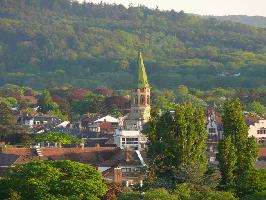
point(126, 170)
point(261, 131)
point(142, 99)
point(212, 130)
point(132, 141)
point(262, 140)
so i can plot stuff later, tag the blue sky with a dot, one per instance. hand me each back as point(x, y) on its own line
point(203, 7)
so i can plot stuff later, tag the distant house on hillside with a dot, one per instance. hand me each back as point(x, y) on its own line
point(32, 121)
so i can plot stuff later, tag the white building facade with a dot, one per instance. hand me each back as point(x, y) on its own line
point(258, 130)
point(132, 139)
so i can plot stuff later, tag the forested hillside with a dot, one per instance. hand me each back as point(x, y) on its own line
point(89, 45)
point(258, 21)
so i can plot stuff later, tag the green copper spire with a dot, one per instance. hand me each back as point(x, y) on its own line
point(142, 76)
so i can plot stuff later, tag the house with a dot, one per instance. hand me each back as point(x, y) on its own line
point(31, 121)
point(105, 159)
point(133, 139)
point(89, 119)
point(257, 129)
point(214, 130)
point(114, 121)
point(46, 119)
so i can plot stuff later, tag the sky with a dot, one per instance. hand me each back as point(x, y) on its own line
point(202, 7)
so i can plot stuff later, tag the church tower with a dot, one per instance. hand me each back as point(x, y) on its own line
point(140, 99)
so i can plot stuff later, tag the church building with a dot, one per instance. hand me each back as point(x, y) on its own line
point(140, 99)
point(130, 136)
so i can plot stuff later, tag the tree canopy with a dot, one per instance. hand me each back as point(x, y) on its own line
point(56, 137)
point(53, 180)
point(95, 45)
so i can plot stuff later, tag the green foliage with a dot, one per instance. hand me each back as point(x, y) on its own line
point(183, 192)
point(234, 125)
point(46, 102)
point(91, 45)
point(177, 145)
point(93, 103)
point(10, 101)
point(256, 196)
point(9, 130)
point(56, 137)
point(227, 162)
point(130, 196)
point(158, 194)
point(258, 21)
point(213, 195)
point(53, 180)
point(57, 113)
point(252, 182)
point(237, 152)
point(258, 108)
point(14, 196)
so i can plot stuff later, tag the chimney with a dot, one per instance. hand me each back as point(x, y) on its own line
point(128, 155)
point(2, 147)
point(117, 175)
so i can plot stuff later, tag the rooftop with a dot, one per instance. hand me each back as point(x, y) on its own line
point(142, 75)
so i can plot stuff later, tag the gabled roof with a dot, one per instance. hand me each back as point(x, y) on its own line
point(107, 118)
point(142, 76)
point(96, 156)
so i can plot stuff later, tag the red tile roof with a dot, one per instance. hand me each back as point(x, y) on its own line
point(251, 120)
point(262, 152)
point(107, 127)
point(62, 151)
point(20, 151)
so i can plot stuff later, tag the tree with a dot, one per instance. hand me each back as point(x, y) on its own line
point(46, 102)
point(258, 108)
point(57, 113)
point(9, 130)
point(159, 193)
point(53, 180)
point(93, 103)
point(211, 195)
point(56, 137)
point(7, 121)
point(114, 189)
point(237, 152)
point(227, 162)
point(256, 196)
point(182, 90)
point(177, 142)
point(252, 182)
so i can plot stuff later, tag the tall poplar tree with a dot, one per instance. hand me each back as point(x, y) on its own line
point(227, 166)
point(177, 141)
point(236, 130)
point(46, 102)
